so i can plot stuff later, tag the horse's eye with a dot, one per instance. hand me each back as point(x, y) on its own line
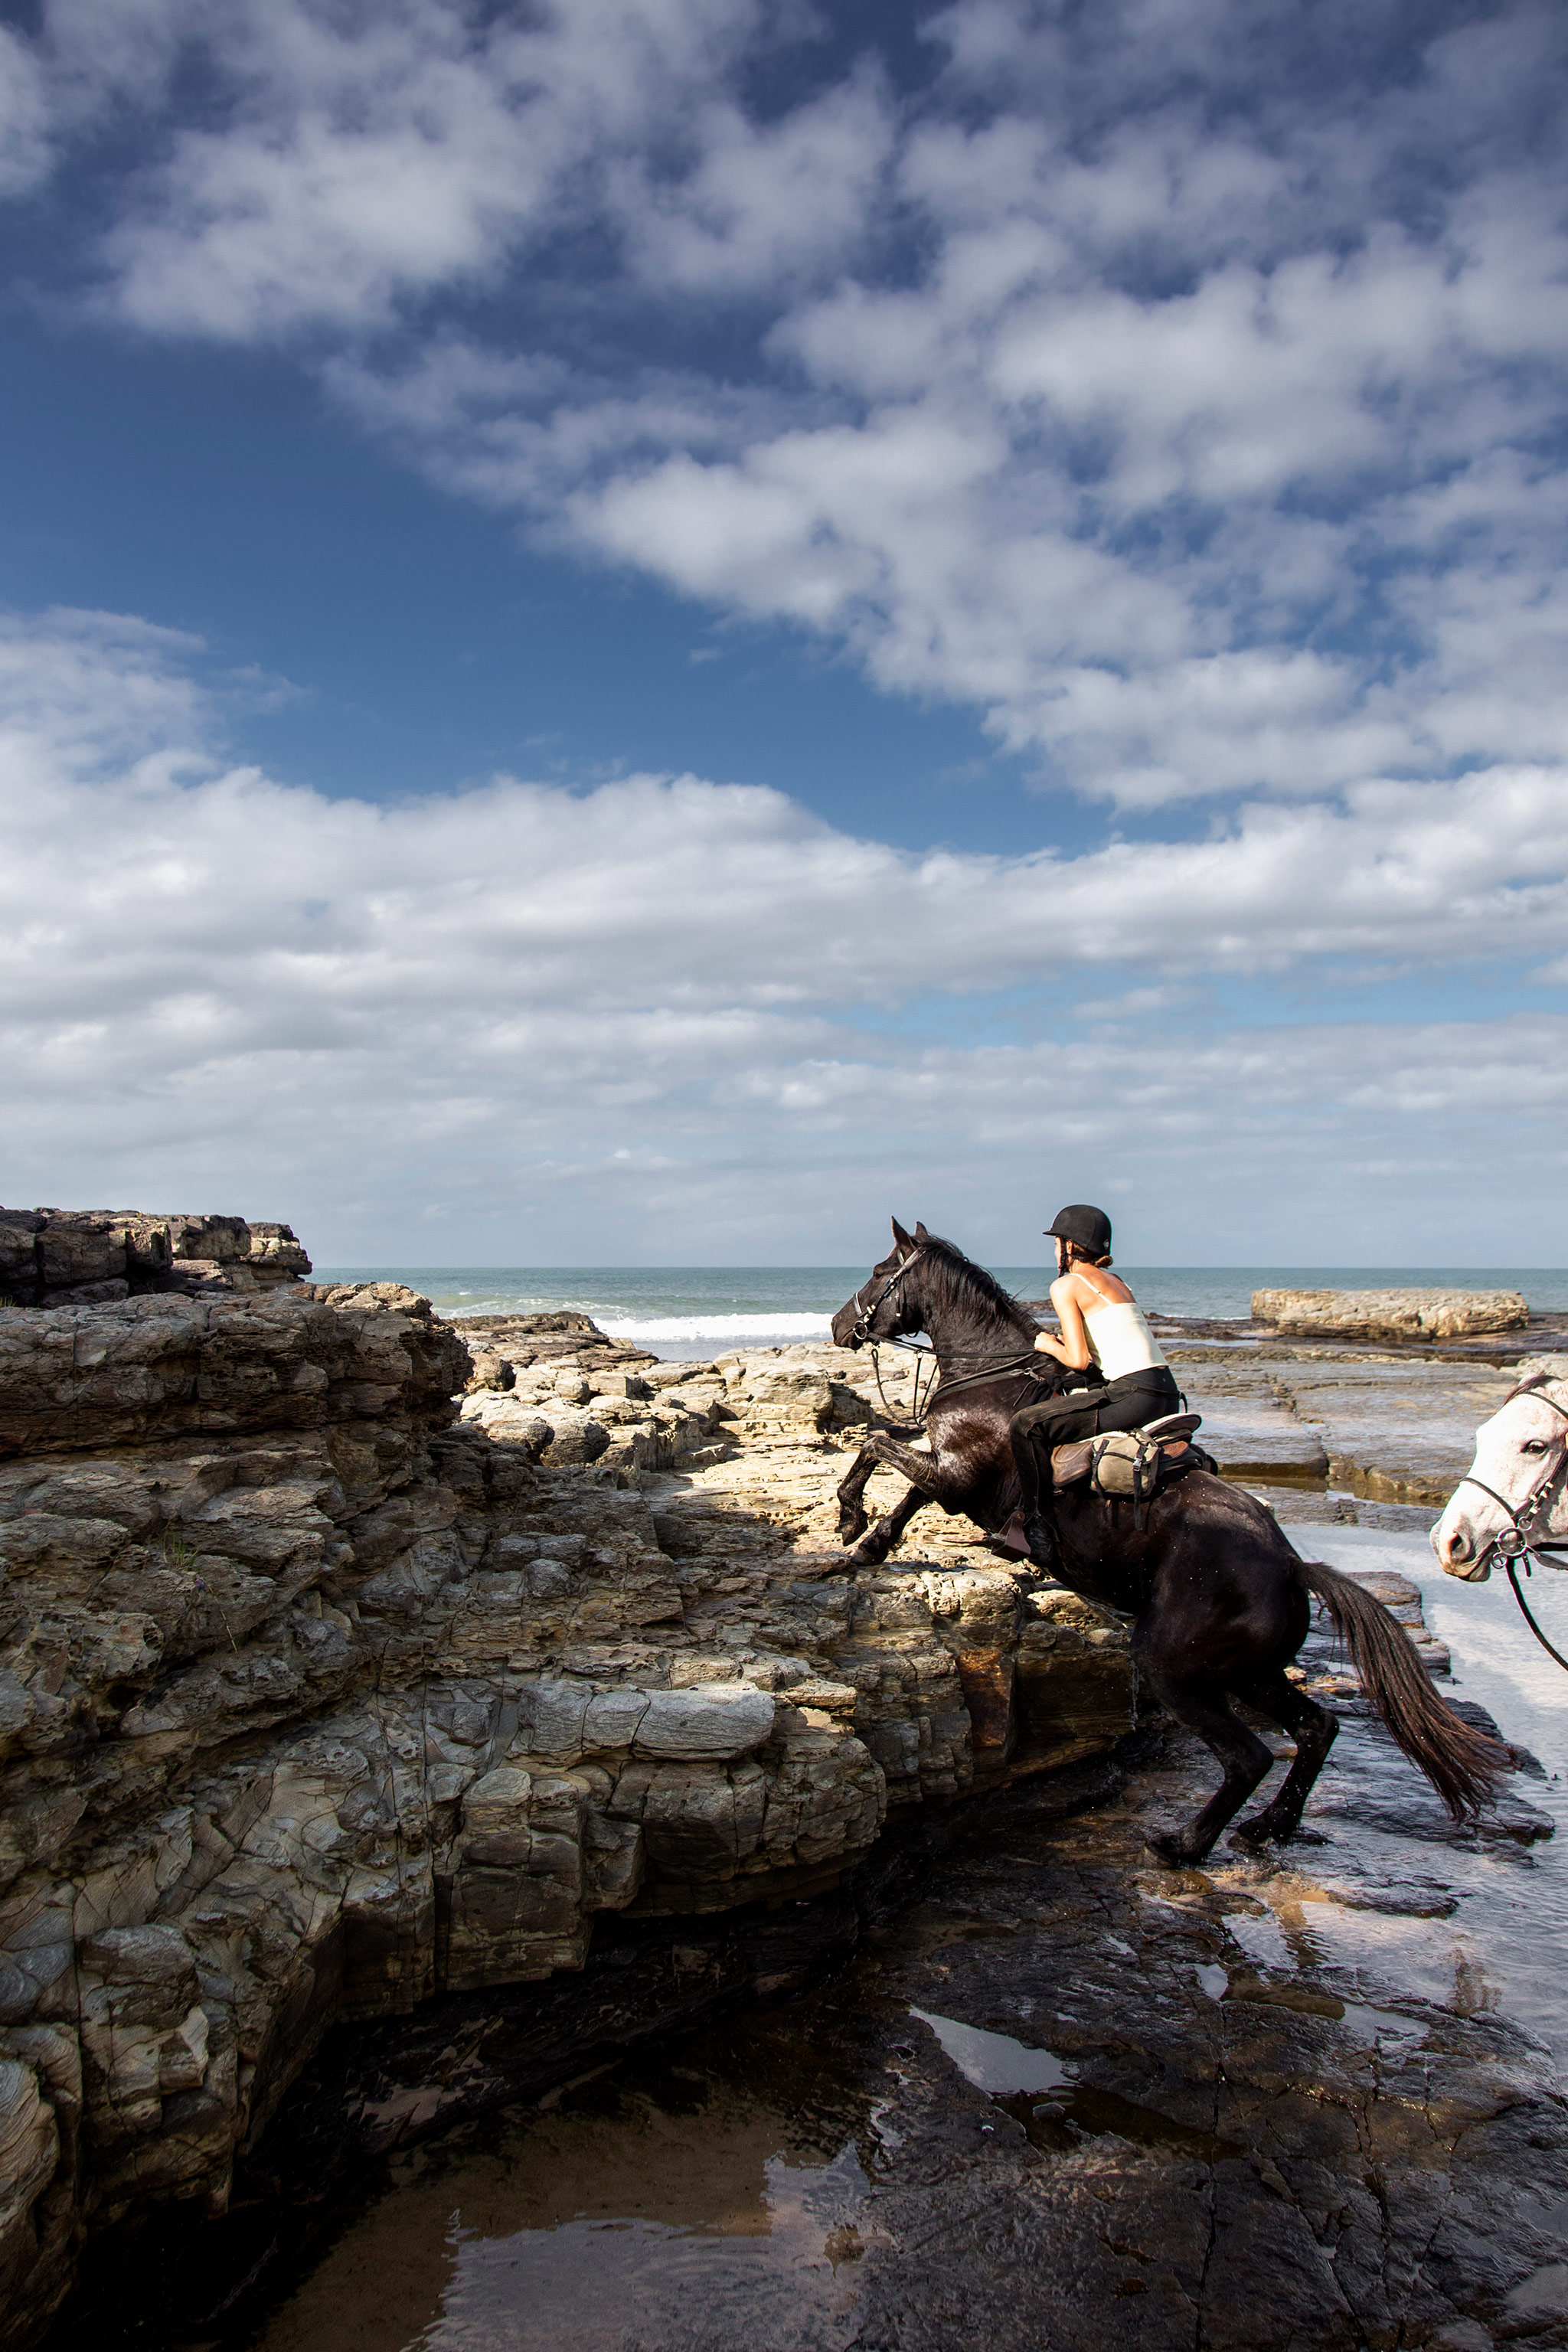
point(1534, 1445)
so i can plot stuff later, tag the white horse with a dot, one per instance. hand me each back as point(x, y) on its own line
point(1513, 1499)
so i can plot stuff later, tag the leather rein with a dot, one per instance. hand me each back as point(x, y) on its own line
point(939, 1386)
point(1519, 1542)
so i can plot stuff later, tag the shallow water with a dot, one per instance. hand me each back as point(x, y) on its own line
point(1500, 1946)
point(669, 2201)
point(722, 2196)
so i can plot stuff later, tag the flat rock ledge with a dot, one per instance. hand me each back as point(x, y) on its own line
point(1390, 1314)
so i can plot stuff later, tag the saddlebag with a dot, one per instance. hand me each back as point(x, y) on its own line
point(1125, 1465)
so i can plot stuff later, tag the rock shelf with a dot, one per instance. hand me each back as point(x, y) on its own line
point(1391, 1314)
point(355, 1665)
point(319, 1699)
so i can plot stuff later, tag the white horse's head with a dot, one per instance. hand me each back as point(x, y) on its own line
point(1521, 1452)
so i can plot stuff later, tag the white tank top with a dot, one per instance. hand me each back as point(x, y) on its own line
point(1120, 1341)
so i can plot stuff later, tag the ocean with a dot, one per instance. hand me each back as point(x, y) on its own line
point(689, 1311)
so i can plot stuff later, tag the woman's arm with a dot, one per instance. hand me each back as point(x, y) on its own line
point(1072, 1348)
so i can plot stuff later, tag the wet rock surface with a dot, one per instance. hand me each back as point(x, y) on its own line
point(402, 1723)
point(1391, 1428)
point(1047, 2094)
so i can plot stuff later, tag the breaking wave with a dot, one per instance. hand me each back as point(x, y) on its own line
point(758, 1325)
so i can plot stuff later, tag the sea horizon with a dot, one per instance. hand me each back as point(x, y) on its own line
point(681, 1306)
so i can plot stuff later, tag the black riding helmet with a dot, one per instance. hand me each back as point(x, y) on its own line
point(1089, 1228)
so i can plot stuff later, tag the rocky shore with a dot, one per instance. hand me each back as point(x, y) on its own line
point(400, 1717)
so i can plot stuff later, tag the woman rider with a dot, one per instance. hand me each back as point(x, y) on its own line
point(1102, 1326)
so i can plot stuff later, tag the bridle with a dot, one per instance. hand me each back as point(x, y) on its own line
point(861, 1333)
point(938, 1387)
point(865, 1315)
point(1518, 1540)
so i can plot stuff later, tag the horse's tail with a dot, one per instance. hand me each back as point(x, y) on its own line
point(1461, 1763)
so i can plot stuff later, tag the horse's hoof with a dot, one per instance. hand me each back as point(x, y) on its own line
point(1166, 1846)
point(1259, 1832)
point(867, 1555)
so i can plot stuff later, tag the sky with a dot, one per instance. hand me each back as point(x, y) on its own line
point(644, 631)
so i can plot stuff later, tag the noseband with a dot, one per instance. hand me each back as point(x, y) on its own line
point(864, 1314)
point(1519, 1540)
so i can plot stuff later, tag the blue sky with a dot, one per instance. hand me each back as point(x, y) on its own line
point(644, 632)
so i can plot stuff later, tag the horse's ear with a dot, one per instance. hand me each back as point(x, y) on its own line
point(904, 1241)
point(920, 1233)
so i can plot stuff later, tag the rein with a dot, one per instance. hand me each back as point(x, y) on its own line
point(938, 1386)
point(1518, 1543)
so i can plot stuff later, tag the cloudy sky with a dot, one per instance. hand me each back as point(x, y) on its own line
point(643, 629)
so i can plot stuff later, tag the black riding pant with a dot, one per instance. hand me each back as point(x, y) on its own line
point(1126, 1403)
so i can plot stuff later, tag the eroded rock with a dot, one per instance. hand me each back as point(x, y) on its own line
point(1390, 1314)
point(325, 1688)
point(54, 1258)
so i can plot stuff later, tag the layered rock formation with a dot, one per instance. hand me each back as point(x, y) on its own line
point(1390, 1314)
point(62, 1257)
point(316, 1699)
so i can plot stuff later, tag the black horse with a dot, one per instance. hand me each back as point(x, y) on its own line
point(1220, 1597)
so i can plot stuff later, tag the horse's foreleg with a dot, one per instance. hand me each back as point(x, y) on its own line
point(874, 1547)
point(930, 1481)
point(852, 1515)
point(1314, 1730)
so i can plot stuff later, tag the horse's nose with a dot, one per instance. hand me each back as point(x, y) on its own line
point(1454, 1544)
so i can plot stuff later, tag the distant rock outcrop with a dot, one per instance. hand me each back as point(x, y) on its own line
point(79, 1257)
point(1389, 1314)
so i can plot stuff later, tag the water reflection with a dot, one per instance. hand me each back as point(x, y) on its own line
point(667, 2210)
point(996, 2062)
point(1482, 1926)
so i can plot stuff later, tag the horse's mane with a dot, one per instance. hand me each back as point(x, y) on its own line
point(1534, 1381)
point(956, 1281)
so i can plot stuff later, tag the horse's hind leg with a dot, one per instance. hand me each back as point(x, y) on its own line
point(1314, 1730)
point(1204, 1707)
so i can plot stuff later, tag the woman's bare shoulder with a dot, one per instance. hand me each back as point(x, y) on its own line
point(1105, 1289)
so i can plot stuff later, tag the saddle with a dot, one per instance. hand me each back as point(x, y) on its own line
point(1124, 1463)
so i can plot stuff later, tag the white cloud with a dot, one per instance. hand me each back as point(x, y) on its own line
point(1176, 382)
point(1179, 386)
point(216, 984)
point(347, 163)
point(25, 155)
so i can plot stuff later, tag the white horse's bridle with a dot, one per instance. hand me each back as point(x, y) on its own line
point(1518, 1541)
point(1521, 1536)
